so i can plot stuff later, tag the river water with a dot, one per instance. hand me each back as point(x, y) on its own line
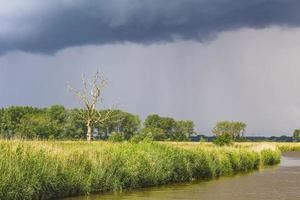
point(275, 183)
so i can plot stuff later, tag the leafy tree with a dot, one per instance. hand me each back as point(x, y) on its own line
point(234, 129)
point(57, 122)
point(124, 122)
point(74, 127)
point(223, 140)
point(296, 135)
point(2, 123)
point(38, 126)
point(166, 124)
point(129, 125)
point(152, 121)
point(116, 137)
point(11, 118)
point(183, 130)
point(57, 113)
point(156, 134)
point(172, 129)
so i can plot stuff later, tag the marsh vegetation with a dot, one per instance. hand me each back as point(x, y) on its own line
point(47, 170)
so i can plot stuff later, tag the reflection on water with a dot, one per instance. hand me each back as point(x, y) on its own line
point(290, 159)
point(276, 183)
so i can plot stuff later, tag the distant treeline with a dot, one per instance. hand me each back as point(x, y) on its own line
point(58, 122)
point(282, 138)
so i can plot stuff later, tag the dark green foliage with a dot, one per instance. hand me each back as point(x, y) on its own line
point(270, 157)
point(116, 137)
point(296, 135)
point(57, 122)
point(156, 134)
point(38, 126)
point(226, 132)
point(234, 129)
point(75, 127)
point(223, 140)
point(167, 128)
point(11, 119)
point(183, 130)
point(121, 121)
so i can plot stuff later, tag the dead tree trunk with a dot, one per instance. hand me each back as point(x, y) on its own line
point(89, 134)
point(90, 113)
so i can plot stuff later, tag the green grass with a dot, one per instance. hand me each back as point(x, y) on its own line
point(288, 146)
point(49, 170)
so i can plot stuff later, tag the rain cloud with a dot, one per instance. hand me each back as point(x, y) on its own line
point(50, 25)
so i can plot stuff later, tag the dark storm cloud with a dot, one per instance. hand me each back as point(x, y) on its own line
point(49, 25)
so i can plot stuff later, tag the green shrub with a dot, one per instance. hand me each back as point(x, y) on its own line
point(141, 138)
point(137, 138)
point(156, 134)
point(223, 140)
point(116, 137)
point(270, 157)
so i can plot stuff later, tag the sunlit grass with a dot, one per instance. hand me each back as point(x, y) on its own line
point(52, 169)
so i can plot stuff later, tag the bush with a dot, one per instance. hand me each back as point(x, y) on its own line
point(141, 138)
point(116, 137)
point(270, 157)
point(223, 140)
point(156, 134)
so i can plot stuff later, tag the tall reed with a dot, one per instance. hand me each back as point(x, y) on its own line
point(49, 170)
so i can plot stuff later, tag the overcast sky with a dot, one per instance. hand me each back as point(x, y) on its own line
point(203, 60)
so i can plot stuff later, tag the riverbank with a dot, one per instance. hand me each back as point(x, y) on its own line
point(48, 170)
point(278, 182)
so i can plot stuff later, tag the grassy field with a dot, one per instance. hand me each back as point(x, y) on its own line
point(48, 170)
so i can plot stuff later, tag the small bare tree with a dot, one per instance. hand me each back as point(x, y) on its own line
point(90, 114)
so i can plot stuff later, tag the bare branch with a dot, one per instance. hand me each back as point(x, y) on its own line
point(90, 100)
point(85, 86)
point(102, 118)
point(80, 95)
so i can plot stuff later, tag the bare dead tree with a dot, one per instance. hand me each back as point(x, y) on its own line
point(90, 100)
